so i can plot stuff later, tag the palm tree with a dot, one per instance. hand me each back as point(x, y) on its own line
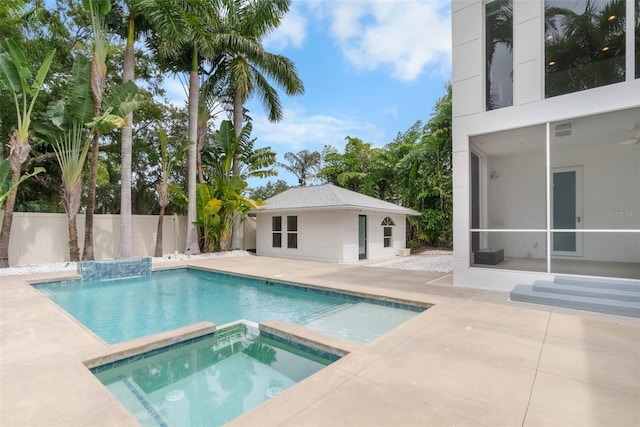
point(71, 151)
point(303, 165)
point(16, 77)
point(167, 161)
point(182, 30)
point(100, 46)
point(248, 73)
point(136, 23)
point(187, 31)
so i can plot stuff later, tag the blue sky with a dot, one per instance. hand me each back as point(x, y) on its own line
point(370, 69)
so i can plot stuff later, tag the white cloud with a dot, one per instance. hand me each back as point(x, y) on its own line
point(406, 35)
point(299, 130)
point(175, 91)
point(292, 31)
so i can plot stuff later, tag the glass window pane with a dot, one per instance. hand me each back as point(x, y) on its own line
point(276, 223)
point(292, 240)
point(499, 54)
point(387, 231)
point(292, 223)
point(584, 44)
point(387, 242)
point(277, 240)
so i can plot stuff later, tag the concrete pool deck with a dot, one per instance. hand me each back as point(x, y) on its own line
point(474, 358)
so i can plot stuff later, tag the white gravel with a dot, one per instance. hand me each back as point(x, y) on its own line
point(72, 266)
point(435, 261)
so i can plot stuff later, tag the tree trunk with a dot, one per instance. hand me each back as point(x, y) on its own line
point(192, 232)
point(74, 250)
point(236, 240)
point(5, 234)
point(128, 72)
point(18, 152)
point(98, 72)
point(87, 254)
point(158, 252)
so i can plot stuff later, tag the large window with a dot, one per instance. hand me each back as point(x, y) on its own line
point(276, 229)
point(292, 232)
point(499, 54)
point(387, 232)
point(584, 44)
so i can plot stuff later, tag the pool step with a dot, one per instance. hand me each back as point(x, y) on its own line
point(619, 297)
point(330, 311)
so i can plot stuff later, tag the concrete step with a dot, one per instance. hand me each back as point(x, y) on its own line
point(614, 284)
point(525, 293)
point(587, 291)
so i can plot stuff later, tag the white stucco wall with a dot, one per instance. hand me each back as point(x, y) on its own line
point(330, 236)
point(530, 108)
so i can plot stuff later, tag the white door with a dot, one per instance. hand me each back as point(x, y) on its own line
point(566, 210)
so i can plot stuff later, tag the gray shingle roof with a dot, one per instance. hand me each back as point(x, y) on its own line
point(330, 196)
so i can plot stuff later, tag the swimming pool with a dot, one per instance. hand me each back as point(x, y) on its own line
point(123, 309)
point(207, 381)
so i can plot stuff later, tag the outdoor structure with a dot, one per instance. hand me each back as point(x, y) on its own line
point(546, 141)
point(329, 223)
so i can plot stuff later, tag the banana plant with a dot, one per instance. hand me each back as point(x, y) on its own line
point(17, 78)
point(208, 217)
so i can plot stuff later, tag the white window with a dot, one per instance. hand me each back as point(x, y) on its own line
point(387, 231)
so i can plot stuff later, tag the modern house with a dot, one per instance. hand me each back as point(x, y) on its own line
point(329, 223)
point(546, 141)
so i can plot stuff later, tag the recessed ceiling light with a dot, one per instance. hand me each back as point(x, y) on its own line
point(606, 48)
point(552, 63)
point(611, 18)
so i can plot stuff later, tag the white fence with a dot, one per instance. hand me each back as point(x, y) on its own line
point(44, 237)
point(38, 238)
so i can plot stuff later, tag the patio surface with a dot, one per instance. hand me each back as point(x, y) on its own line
point(474, 358)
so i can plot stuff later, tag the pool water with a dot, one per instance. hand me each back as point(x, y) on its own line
point(210, 380)
point(123, 309)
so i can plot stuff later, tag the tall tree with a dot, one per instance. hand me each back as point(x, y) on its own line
point(249, 73)
point(126, 141)
point(100, 45)
point(187, 32)
point(168, 159)
point(17, 78)
point(303, 165)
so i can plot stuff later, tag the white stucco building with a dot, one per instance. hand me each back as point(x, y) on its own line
point(546, 128)
point(330, 223)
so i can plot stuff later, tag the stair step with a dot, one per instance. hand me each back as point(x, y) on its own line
point(614, 284)
point(525, 293)
point(587, 291)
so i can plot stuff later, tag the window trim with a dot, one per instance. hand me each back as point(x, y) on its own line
point(387, 224)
